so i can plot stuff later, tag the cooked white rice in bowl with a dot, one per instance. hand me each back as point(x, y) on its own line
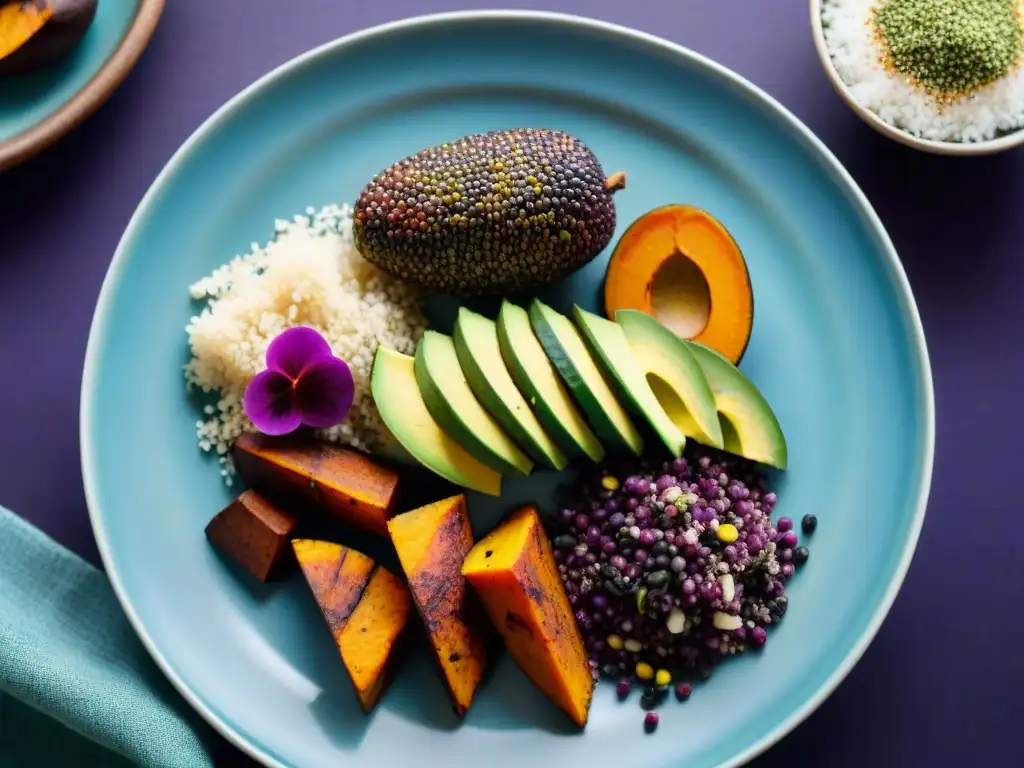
point(857, 57)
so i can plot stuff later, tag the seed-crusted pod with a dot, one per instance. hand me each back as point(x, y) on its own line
point(490, 213)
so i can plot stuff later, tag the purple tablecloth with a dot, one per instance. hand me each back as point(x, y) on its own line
point(940, 682)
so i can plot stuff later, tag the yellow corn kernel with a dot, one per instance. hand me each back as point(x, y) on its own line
point(727, 533)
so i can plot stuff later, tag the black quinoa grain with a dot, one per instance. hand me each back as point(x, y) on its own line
point(657, 579)
point(649, 699)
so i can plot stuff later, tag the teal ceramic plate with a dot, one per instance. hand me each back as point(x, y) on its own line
point(38, 109)
point(837, 348)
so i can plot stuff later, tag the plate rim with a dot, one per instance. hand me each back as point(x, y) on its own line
point(905, 297)
point(91, 96)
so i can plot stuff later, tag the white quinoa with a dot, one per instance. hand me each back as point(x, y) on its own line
point(308, 274)
point(857, 56)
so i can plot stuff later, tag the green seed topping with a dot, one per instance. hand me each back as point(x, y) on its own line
point(951, 48)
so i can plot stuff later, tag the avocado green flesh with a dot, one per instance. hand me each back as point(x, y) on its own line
point(476, 345)
point(455, 408)
point(750, 427)
point(538, 380)
point(566, 350)
point(674, 376)
point(401, 407)
point(607, 342)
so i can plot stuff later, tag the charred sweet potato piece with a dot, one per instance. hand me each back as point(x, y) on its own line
point(432, 542)
point(370, 640)
point(255, 533)
point(344, 482)
point(19, 22)
point(366, 607)
point(37, 33)
point(513, 571)
point(336, 575)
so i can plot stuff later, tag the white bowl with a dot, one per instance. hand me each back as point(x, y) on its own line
point(1001, 144)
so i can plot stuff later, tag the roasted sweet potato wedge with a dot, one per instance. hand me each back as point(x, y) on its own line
point(336, 575)
point(37, 33)
point(344, 482)
point(432, 542)
point(255, 533)
point(369, 641)
point(19, 22)
point(366, 607)
point(513, 571)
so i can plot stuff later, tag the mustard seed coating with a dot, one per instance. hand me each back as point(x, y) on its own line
point(490, 213)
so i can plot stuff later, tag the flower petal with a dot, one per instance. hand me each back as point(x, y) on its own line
point(294, 349)
point(324, 392)
point(269, 403)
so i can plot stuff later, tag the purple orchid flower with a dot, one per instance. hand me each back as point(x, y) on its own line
point(304, 384)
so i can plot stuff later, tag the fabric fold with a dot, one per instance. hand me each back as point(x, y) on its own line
point(68, 654)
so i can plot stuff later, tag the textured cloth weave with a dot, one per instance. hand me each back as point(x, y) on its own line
point(76, 686)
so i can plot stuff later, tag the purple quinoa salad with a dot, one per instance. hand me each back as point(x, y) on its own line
point(674, 568)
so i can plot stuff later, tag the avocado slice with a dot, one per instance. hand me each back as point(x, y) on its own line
point(607, 343)
point(565, 348)
point(476, 345)
point(453, 405)
point(538, 381)
point(401, 407)
point(674, 376)
point(749, 426)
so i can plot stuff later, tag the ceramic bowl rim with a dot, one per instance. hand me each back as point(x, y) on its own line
point(90, 97)
point(905, 298)
point(951, 148)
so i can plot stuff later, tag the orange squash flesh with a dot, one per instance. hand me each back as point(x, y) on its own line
point(366, 609)
point(657, 241)
point(337, 577)
point(369, 639)
point(513, 571)
point(346, 483)
point(19, 22)
point(432, 543)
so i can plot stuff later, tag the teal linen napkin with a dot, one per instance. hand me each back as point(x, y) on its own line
point(76, 686)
